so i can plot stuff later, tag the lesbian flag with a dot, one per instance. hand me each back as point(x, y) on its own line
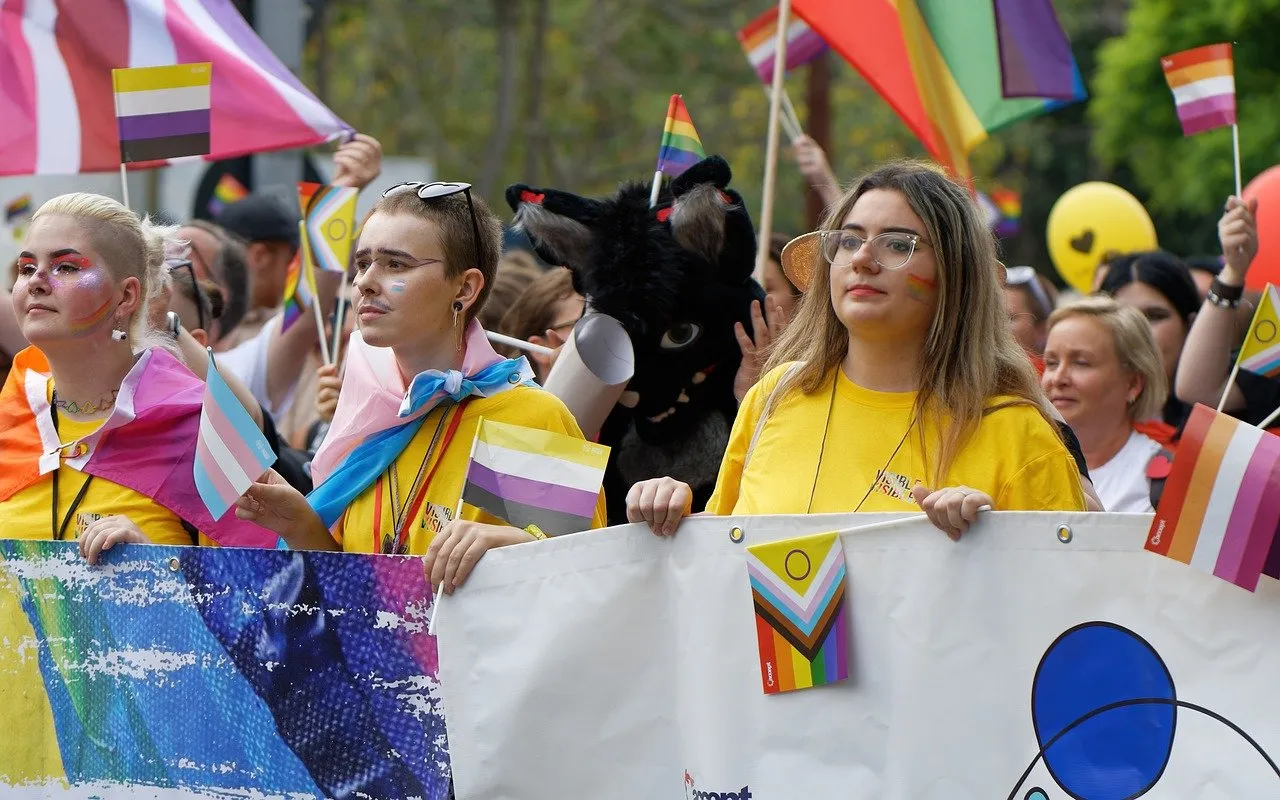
point(759, 37)
point(681, 145)
point(56, 96)
point(231, 452)
point(162, 112)
point(534, 477)
point(1204, 87)
point(1221, 502)
point(1260, 353)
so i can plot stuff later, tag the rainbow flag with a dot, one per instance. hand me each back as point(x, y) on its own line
point(163, 112)
point(227, 191)
point(759, 36)
point(329, 214)
point(231, 452)
point(1008, 204)
point(941, 64)
point(1204, 87)
point(802, 623)
point(1221, 502)
point(299, 284)
point(528, 477)
point(681, 147)
point(17, 209)
point(1260, 353)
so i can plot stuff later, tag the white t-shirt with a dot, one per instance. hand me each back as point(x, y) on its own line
point(249, 361)
point(1122, 482)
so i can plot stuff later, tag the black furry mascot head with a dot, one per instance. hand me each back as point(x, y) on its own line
point(677, 276)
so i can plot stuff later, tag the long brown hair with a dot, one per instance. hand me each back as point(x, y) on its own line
point(970, 355)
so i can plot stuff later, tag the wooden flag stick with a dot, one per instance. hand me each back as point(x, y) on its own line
point(771, 146)
point(1235, 146)
point(1231, 381)
point(124, 186)
point(1270, 419)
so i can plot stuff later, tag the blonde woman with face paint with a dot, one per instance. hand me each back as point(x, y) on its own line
point(98, 420)
point(420, 374)
point(899, 385)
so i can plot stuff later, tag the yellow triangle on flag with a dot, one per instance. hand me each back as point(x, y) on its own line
point(796, 563)
point(1260, 351)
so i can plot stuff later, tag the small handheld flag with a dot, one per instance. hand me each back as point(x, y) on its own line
point(330, 216)
point(162, 112)
point(1260, 353)
point(1009, 205)
point(802, 624)
point(298, 294)
point(681, 147)
point(758, 38)
point(227, 191)
point(231, 451)
point(535, 477)
point(1221, 502)
point(1204, 91)
point(17, 213)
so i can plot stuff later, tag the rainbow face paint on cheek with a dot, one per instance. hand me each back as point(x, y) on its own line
point(397, 287)
point(921, 289)
point(88, 300)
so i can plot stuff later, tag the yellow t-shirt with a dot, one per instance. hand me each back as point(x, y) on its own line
point(27, 515)
point(523, 405)
point(869, 456)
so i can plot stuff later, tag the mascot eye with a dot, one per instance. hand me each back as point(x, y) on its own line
point(681, 335)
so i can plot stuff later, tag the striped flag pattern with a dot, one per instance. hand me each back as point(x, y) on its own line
point(1204, 87)
point(681, 146)
point(759, 37)
point(299, 283)
point(162, 112)
point(1260, 353)
point(56, 102)
point(534, 477)
point(1221, 502)
point(330, 216)
point(231, 452)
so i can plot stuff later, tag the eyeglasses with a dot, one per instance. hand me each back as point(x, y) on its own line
point(437, 189)
point(891, 250)
point(1027, 276)
point(179, 264)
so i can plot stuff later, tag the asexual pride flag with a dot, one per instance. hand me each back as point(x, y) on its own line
point(535, 477)
point(163, 112)
point(1221, 502)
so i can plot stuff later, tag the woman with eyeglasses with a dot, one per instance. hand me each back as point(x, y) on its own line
point(98, 419)
point(1029, 304)
point(899, 385)
point(420, 374)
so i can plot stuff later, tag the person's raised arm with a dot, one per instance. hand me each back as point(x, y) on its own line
point(1205, 363)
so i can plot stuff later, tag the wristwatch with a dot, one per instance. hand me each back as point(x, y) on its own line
point(175, 324)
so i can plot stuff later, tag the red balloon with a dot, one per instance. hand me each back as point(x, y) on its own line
point(1266, 265)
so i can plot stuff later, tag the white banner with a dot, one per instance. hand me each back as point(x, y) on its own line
point(618, 665)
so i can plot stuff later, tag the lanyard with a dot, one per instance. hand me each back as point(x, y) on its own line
point(397, 542)
point(60, 530)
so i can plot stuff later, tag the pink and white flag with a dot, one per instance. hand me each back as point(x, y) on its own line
point(56, 98)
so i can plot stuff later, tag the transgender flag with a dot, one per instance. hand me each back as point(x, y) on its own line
point(56, 98)
point(231, 452)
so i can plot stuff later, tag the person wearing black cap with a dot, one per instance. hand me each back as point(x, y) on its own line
point(270, 233)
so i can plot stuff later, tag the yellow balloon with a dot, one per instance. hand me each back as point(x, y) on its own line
point(1092, 222)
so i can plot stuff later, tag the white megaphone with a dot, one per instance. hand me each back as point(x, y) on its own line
point(592, 370)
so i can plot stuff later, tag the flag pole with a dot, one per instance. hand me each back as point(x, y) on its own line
point(124, 186)
point(1231, 381)
point(1235, 146)
point(435, 604)
point(1270, 419)
point(771, 146)
point(307, 273)
point(657, 187)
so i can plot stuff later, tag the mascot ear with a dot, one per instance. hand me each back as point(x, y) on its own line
point(700, 215)
point(559, 224)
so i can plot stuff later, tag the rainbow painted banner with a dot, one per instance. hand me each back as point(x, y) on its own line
point(1221, 503)
point(179, 672)
point(798, 589)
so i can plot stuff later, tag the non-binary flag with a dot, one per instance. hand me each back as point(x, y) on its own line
point(681, 146)
point(330, 216)
point(802, 624)
point(231, 452)
point(1221, 501)
point(528, 477)
point(1204, 87)
point(1260, 353)
point(163, 112)
point(227, 191)
point(759, 40)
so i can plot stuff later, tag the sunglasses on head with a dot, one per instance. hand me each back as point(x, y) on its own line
point(1026, 276)
point(433, 190)
point(180, 264)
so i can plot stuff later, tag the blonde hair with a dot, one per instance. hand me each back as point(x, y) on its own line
point(129, 246)
point(970, 355)
point(1135, 348)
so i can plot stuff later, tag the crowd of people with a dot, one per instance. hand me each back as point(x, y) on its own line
point(894, 364)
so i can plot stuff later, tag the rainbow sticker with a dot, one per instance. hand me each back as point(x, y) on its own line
point(802, 624)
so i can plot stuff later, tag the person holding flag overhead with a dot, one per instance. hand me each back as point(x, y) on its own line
point(98, 420)
point(420, 376)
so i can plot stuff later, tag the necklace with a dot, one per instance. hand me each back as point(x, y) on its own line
point(105, 403)
point(60, 529)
